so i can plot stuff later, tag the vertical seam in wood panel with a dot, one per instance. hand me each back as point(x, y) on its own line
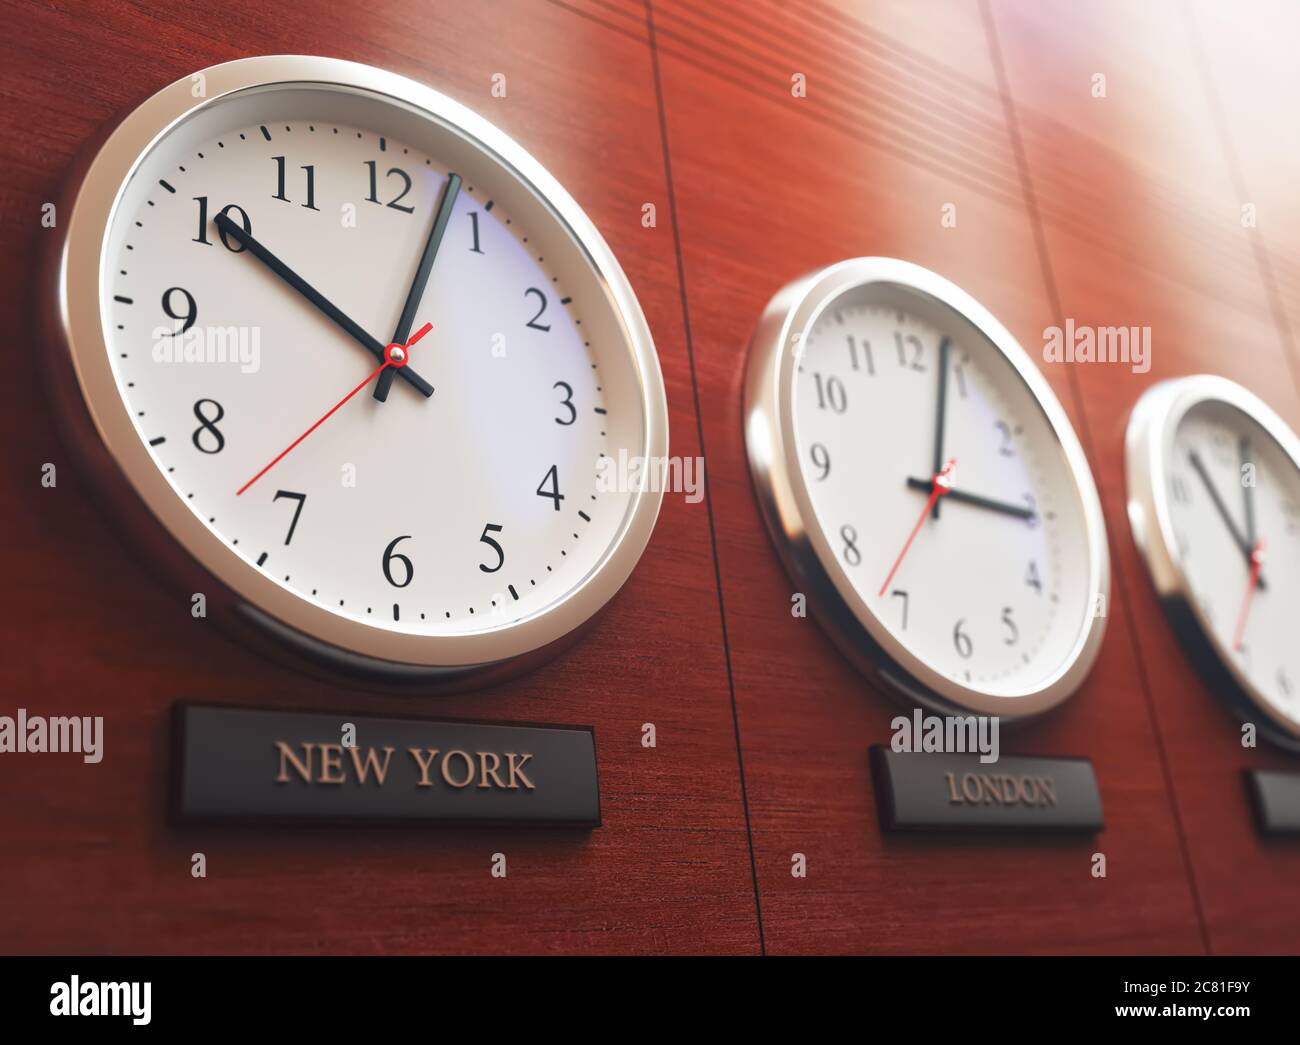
point(699, 425)
point(1262, 260)
point(1049, 281)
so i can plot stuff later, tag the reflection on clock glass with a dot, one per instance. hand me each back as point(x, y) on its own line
point(992, 590)
point(258, 262)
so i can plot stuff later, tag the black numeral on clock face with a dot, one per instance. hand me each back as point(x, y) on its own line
point(961, 641)
point(821, 457)
point(831, 393)
point(301, 498)
point(491, 542)
point(187, 317)
point(207, 437)
point(852, 555)
point(311, 183)
point(553, 493)
point(857, 357)
point(541, 296)
point(566, 403)
point(202, 237)
point(391, 556)
point(396, 202)
point(898, 593)
point(910, 350)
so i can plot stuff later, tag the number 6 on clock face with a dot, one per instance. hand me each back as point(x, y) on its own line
point(925, 488)
point(361, 361)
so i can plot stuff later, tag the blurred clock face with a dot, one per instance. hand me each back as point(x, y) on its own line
point(981, 572)
point(916, 472)
point(1233, 498)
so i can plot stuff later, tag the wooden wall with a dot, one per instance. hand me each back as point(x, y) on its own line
point(1117, 210)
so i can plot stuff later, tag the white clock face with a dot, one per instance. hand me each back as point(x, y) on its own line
point(1233, 498)
point(992, 591)
point(261, 258)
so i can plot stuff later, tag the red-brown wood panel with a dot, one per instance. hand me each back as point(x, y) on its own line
point(90, 864)
point(1111, 211)
point(1153, 178)
point(897, 122)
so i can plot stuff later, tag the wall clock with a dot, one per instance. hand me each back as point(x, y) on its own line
point(1214, 502)
point(925, 489)
point(349, 354)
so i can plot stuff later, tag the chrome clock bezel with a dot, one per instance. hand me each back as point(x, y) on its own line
point(85, 389)
point(1148, 445)
point(787, 508)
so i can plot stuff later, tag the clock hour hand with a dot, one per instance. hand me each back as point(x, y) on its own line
point(1020, 511)
point(1247, 548)
point(374, 347)
point(440, 219)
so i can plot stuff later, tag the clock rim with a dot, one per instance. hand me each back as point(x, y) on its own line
point(787, 509)
point(86, 390)
point(1148, 444)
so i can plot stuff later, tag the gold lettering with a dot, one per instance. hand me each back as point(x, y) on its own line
point(953, 797)
point(469, 768)
point(518, 770)
point(485, 772)
point(1030, 786)
point(363, 768)
point(1048, 784)
point(424, 763)
point(969, 781)
point(286, 752)
point(331, 761)
point(993, 789)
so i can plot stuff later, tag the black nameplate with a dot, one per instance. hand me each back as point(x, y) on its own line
point(241, 765)
point(1276, 798)
point(933, 792)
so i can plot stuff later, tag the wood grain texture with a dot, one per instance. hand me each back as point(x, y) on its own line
point(1189, 270)
point(809, 181)
point(1115, 211)
point(87, 631)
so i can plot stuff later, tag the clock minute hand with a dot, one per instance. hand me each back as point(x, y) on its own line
point(449, 193)
point(944, 347)
point(373, 346)
point(1247, 550)
point(1020, 511)
point(1247, 491)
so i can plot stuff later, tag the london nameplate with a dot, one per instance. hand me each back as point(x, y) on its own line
point(248, 765)
point(939, 792)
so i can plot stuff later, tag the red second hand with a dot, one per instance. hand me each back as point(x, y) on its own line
point(942, 484)
point(388, 361)
point(1256, 561)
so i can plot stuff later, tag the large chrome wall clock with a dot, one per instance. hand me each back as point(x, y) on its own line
point(1214, 502)
point(362, 359)
point(925, 489)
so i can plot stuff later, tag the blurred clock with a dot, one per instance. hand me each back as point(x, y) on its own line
point(924, 486)
point(1214, 502)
